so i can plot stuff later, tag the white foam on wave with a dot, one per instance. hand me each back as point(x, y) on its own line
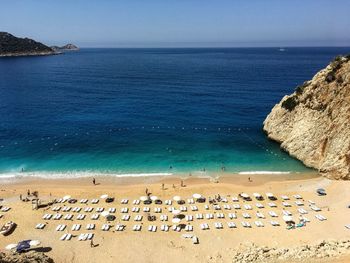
point(58, 175)
point(263, 172)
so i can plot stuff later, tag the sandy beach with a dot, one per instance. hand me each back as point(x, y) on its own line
point(215, 245)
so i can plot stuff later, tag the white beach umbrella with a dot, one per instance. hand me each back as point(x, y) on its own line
point(176, 212)
point(177, 198)
point(34, 243)
point(143, 198)
point(197, 196)
point(176, 220)
point(11, 246)
point(153, 198)
point(66, 197)
point(105, 213)
point(287, 218)
point(104, 196)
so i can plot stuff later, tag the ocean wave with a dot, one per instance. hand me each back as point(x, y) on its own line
point(58, 175)
point(264, 172)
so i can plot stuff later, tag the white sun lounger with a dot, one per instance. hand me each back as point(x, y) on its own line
point(232, 215)
point(88, 209)
point(209, 216)
point(315, 208)
point(299, 203)
point(40, 226)
point(80, 216)
point(246, 215)
point(56, 208)
point(68, 217)
point(274, 223)
point(231, 225)
point(246, 224)
point(284, 197)
point(168, 202)
point(83, 201)
point(183, 208)
point(146, 209)
point(220, 215)
point(286, 204)
point(105, 227)
point(248, 207)
point(227, 207)
point(259, 224)
point(218, 225)
point(76, 227)
point(47, 216)
point(90, 226)
point(260, 215)
point(286, 213)
point(189, 218)
point(136, 202)
point(66, 237)
point(76, 209)
point(271, 204)
point(204, 226)
point(224, 200)
point(311, 202)
point(94, 201)
point(60, 227)
point(137, 228)
point(206, 207)
point(99, 209)
point(347, 226)
point(216, 207)
point(199, 216)
point(302, 211)
point(57, 216)
point(190, 201)
point(5, 209)
point(273, 214)
point(119, 227)
point(164, 228)
point(163, 218)
point(125, 217)
point(194, 208)
point(235, 199)
point(152, 228)
point(157, 210)
point(320, 217)
point(297, 196)
point(259, 205)
point(124, 201)
point(236, 206)
point(124, 210)
point(138, 218)
point(112, 210)
point(66, 209)
point(188, 228)
point(95, 216)
point(135, 209)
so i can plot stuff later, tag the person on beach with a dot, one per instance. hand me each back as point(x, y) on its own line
point(174, 186)
point(146, 191)
point(163, 186)
point(250, 179)
point(92, 243)
point(93, 181)
point(182, 183)
point(28, 192)
point(20, 197)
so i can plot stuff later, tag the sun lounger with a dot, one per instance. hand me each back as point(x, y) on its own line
point(40, 226)
point(60, 227)
point(305, 219)
point(124, 201)
point(136, 202)
point(112, 210)
point(152, 228)
point(188, 228)
point(246, 224)
point(99, 209)
point(68, 217)
point(311, 202)
point(209, 216)
point(170, 209)
point(274, 223)
point(90, 226)
point(259, 205)
point(164, 228)
point(66, 237)
point(315, 208)
point(168, 202)
point(199, 216)
point(273, 214)
point(76, 227)
point(56, 208)
point(83, 201)
point(146, 209)
point(204, 226)
point(176, 228)
point(119, 227)
point(227, 207)
point(297, 196)
point(320, 217)
point(246, 215)
point(231, 225)
point(190, 201)
point(183, 208)
point(94, 201)
point(272, 204)
point(137, 228)
point(57, 216)
point(259, 224)
point(260, 215)
point(5, 209)
point(206, 207)
point(163, 218)
point(284, 197)
point(216, 207)
point(88, 209)
point(95, 216)
point(236, 206)
point(235, 199)
point(80, 216)
point(286, 204)
point(135, 209)
point(347, 226)
point(105, 227)
point(224, 200)
point(76, 209)
point(66, 209)
point(189, 218)
point(302, 211)
point(47, 216)
point(124, 210)
point(218, 225)
point(138, 218)
point(194, 208)
point(220, 215)
point(125, 217)
point(248, 207)
point(286, 213)
point(157, 210)
point(299, 203)
point(232, 215)
point(89, 236)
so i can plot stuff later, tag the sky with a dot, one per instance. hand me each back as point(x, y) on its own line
point(179, 23)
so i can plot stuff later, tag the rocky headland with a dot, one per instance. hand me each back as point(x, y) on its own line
point(68, 47)
point(313, 123)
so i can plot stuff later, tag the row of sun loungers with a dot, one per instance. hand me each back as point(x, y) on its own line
point(5, 209)
point(40, 226)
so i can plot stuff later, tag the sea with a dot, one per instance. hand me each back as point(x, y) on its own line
point(146, 112)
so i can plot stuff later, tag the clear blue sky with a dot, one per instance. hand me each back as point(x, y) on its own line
point(154, 23)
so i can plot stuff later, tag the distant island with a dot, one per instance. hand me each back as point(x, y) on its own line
point(11, 46)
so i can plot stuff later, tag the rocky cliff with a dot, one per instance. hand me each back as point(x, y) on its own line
point(313, 123)
point(15, 46)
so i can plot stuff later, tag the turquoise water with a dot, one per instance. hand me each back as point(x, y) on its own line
point(136, 111)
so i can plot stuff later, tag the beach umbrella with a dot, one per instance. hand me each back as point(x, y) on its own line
point(104, 196)
point(176, 220)
point(23, 246)
point(11, 246)
point(287, 218)
point(197, 196)
point(143, 198)
point(177, 198)
point(153, 198)
point(34, 243)
point(176, 212)
point(105, 213)
point(66, 197)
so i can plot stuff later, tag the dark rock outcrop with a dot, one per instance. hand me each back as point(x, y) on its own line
point(313, 123)
point(29, 257)
point(68, 47)
point(15, 46)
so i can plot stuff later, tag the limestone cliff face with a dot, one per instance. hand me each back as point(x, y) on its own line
point(313, 123)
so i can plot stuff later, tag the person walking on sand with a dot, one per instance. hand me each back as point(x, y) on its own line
point(92, 243)
point(182, 183)
point(163, 186)
point(146, 191)
point(93, 181)
point(20, 197)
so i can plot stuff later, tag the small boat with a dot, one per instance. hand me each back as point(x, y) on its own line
point(7, 228)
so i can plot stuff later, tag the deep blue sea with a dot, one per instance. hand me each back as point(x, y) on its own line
point(133, 111)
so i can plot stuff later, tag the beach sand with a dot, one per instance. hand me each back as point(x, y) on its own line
point(144, 246)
